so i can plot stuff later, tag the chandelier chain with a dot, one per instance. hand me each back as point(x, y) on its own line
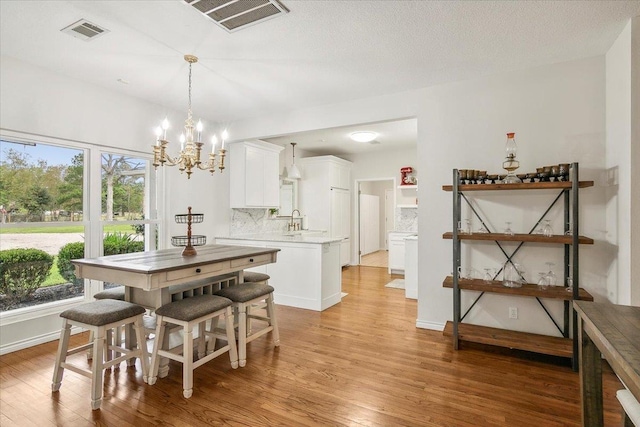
point(190, 64)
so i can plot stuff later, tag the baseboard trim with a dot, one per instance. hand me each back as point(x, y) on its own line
point(32, 341)
point(425, 324)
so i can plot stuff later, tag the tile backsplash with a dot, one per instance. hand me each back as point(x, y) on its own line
point(406, 219)
point(255, 221)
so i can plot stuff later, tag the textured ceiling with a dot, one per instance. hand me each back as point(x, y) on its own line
point(322, 52)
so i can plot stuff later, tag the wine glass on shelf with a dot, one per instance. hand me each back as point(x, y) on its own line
point(508, 229)
point(488, 275)
point(547, 231)
point(552, 279)
point(569, 231)
point(468, 229)
point(569, 287)
point(542, 280)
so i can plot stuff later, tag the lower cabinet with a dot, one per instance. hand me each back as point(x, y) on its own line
point(305, 275)
point(397, 251)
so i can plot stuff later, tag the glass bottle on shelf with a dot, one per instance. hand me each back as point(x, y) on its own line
point(510, 163)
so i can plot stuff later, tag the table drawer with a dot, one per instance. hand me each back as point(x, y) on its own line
point(250, 261)
point(194, 272)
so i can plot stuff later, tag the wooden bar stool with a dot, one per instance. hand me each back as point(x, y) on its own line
point(243, 296)
point(99, 317)
point(188, 313)
point(111, 293)
point(254, 277)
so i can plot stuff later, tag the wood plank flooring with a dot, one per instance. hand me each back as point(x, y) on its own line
point(376, 259)
point(360, 363)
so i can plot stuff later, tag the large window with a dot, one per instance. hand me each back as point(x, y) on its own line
point(62, 202)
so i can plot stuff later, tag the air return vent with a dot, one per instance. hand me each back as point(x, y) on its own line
point(84, 30)
point(233, 15)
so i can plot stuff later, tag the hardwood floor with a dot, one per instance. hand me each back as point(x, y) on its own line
point(361, 362)
point(376, 259)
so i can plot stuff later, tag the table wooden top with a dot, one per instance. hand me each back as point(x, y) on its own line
point(159, 261)
point(615, 329)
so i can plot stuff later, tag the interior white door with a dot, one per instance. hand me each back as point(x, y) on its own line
point(369, 223)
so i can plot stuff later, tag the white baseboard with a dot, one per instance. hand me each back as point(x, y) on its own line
point(435, 326)
point(30, 342)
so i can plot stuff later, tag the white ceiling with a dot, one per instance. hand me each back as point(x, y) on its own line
point(322, 52)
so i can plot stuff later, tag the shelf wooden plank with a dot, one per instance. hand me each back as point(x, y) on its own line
point(522, 186)
point(543, 344)
point(534, 238)
point(527, 290)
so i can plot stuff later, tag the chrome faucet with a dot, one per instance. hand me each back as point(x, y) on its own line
point(292, 224)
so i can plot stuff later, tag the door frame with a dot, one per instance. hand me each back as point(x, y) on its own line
point(356, 253)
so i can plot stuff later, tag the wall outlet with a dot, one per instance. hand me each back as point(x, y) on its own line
point(513, 312)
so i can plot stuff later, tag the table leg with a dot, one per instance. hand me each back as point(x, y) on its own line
point(590, 379)
point(129, 335)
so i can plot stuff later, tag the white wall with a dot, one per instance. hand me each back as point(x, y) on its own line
point(623, 163)
point(618, 116)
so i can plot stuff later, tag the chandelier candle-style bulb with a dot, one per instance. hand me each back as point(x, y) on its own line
point(190, 142)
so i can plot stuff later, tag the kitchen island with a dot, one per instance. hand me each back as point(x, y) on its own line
point(308, 273)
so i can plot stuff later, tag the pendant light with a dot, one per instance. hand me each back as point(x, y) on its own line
point(294, 172)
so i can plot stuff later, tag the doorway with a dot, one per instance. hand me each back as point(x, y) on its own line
point(376, 210)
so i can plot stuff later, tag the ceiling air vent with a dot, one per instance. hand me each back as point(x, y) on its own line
point(233, 15)
point(84, 30)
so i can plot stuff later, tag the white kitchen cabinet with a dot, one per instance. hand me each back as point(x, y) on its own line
point(397, 251)
point(325, 198)
point(306, 275)
point(254, 174)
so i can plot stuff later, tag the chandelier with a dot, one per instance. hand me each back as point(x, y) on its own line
point(190, 145)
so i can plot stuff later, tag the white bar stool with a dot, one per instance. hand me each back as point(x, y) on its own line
point(188, 313)
point(245, 295)
point(99, 317)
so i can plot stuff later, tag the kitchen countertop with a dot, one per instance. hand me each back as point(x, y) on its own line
point(298, 237)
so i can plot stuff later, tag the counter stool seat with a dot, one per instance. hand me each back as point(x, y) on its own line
point(244, 296)
point(188, 313)
point(100, 317)
point(111, 293)
point(254, 277)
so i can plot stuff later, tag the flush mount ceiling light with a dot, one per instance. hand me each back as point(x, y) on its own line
point(363, 136)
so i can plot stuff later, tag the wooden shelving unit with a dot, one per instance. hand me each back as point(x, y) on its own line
point(565, 346)
point(523, 186)
point(527, 290)
point(531, 238)
point(536, 343)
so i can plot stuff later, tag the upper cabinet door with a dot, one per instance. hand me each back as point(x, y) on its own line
point(254, 168)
